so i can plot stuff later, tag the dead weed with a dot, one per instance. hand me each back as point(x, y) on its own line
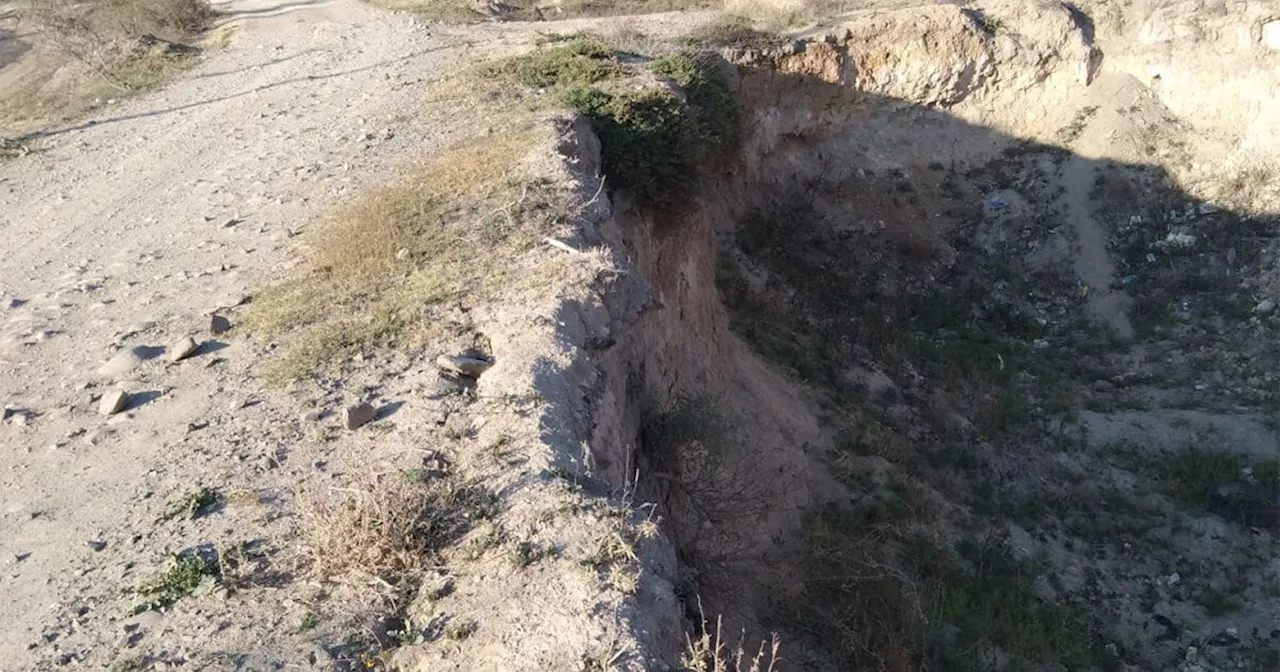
point(387, 527)
point(711, 652)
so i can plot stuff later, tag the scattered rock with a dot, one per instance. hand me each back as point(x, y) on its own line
point(1266, 307)
point(219, 324)
point(113, 402)
point(470, 367)
point(183, 349)
point(354, 417)
point(96, 544)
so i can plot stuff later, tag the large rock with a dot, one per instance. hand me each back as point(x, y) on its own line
point(112, 402)
point(183, 349)
point(219, 324)
point(126, 361)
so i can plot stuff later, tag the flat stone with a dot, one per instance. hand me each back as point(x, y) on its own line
point(113, 402)
point(1265, 307)
point(358, 415)
point(219, 324)
point(124, 361)
point(470, 367)
point(183, 349)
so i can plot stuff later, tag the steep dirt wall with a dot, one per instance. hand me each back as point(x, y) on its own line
point(729, 449)
point(724, 445)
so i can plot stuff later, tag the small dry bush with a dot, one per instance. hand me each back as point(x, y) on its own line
point(387, 526)
point(383, 266)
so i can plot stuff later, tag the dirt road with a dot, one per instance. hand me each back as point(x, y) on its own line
point(122, 234)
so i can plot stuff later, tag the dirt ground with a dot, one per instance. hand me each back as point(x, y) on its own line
point(128, 230)
point(1059, 350)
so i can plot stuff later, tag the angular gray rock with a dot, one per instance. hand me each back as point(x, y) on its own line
point(470, 367)
point(358, 415)
point(219, 324)
point(183, 349)
point(112, 402)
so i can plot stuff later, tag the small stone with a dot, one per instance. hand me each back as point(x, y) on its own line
point(123, 362)
point(354, 417)
point(96, 544)
point(402, 254)
point(1265, 307)
point(219, 324)
point(470, 367)
point(312, 416)
point(113, 402)
point(183, 349)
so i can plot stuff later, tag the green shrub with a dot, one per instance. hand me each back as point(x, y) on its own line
point(647, 140)
point(578, 62)
point(652, 139)
point(714, 105)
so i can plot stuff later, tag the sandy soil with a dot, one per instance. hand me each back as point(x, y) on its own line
point(124, 233)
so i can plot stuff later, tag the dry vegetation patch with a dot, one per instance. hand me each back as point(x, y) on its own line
point(88, 52)
point(386, 265)
point(388, 526)
point(471, 11)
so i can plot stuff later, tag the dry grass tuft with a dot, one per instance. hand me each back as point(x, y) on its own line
point(710, 652)
point(385, 265)
point(387, 527)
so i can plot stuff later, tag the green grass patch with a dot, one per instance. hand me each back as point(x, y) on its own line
point(192, 505)
point(196, 571)
point(1188, 475)
point(580, 61)
point(884, 611)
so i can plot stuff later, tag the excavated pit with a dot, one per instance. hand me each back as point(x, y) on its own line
point(915, 378)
